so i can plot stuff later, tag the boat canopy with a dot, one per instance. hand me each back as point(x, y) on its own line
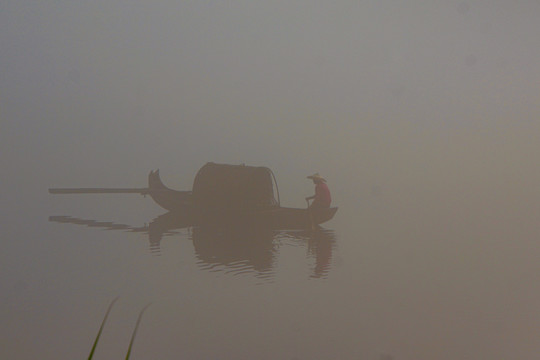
point(223, 186)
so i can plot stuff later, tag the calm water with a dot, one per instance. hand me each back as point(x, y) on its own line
point(395, 275)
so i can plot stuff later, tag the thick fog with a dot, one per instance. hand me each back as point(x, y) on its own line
point(358, 89)
point(422, 115)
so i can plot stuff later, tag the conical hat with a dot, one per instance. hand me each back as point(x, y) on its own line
point(316, 176)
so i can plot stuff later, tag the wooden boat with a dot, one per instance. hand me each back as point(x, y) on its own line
point(225, 194)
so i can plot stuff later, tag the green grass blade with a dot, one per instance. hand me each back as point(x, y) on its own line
point(135, 331)
point(101, 328)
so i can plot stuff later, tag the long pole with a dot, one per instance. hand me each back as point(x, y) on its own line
point(100, 191)
point(311, 222)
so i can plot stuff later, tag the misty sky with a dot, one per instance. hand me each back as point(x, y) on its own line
point(346, 87)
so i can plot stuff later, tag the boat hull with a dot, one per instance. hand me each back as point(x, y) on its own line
point(277, 218)
point(295, 218)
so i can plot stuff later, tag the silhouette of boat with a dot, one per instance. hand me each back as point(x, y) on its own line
point(224, 193)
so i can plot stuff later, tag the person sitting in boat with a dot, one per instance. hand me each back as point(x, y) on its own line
point(322, 198)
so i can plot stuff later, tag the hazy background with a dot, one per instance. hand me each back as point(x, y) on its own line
point(423, 116)
point(371, 91)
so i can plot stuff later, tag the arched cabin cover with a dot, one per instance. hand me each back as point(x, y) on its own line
point(233, 187)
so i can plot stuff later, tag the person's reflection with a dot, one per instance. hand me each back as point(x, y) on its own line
point(320, 245)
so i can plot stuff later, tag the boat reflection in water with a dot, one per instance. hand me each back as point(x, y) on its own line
point(230, 247)
point(235, 250)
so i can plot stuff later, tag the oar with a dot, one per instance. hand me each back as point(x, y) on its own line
point(311, 222)
point(135, 330)
point(101, 328)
